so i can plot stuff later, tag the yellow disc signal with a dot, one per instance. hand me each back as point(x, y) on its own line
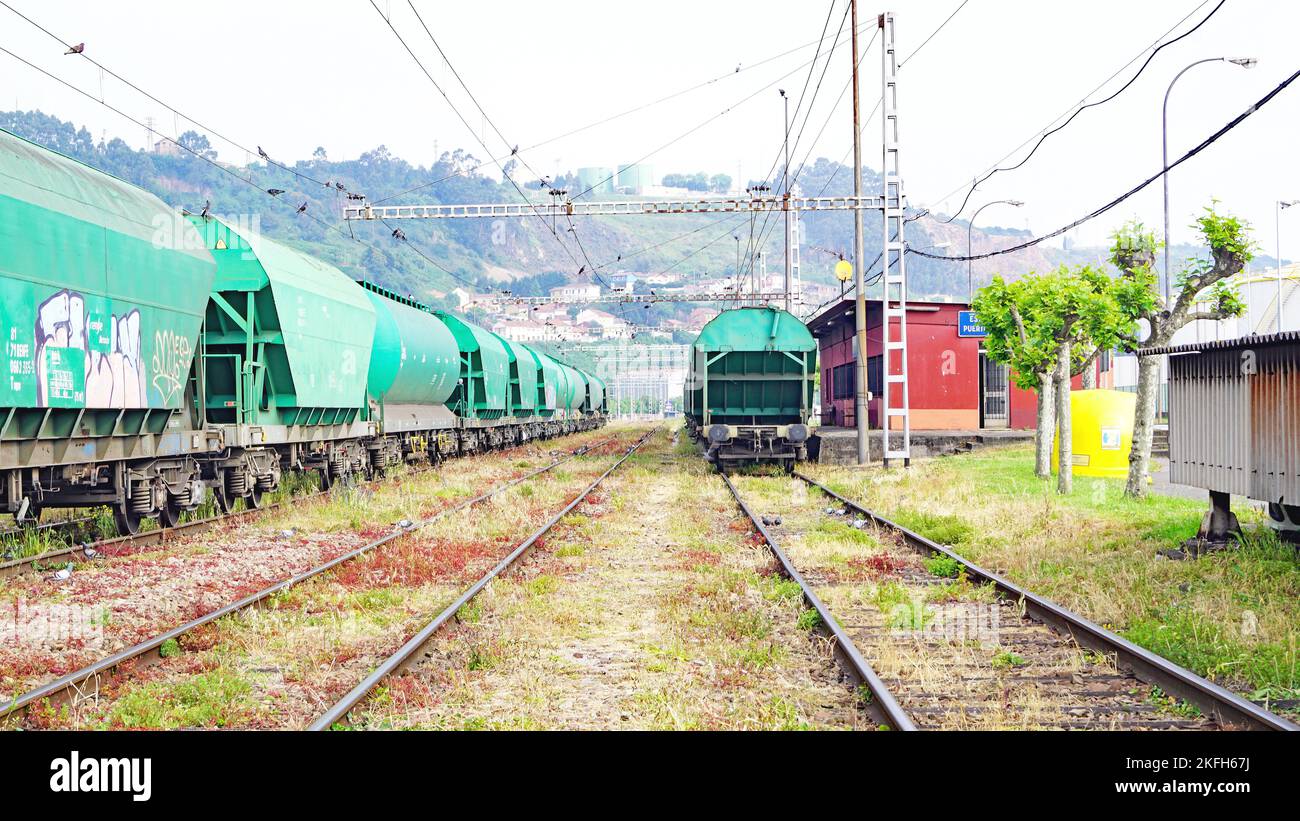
point(844, 270)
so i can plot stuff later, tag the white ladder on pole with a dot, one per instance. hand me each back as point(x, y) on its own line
point(894, 262)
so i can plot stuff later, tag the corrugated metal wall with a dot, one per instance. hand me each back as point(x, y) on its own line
point(1235, 421)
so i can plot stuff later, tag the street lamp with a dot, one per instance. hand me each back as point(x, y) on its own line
point(1281, 204)
point(1244, 62)
point(970, 226)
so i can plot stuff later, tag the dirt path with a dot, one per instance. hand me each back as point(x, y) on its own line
point(653, 610)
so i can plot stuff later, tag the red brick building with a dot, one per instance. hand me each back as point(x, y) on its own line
point(952, 384)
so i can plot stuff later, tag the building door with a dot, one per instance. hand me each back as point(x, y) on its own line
point(995, 395)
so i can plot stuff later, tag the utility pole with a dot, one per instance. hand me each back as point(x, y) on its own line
point(785, 202)
point(860, 315)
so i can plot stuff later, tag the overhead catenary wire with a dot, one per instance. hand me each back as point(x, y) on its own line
point(803, 96)
point(611, 118)
point(1079, 108)
point(224, 169)
point(1206, 143)
point(927, 40)
point(438, 87)
point(165, 105)
point(701, 125)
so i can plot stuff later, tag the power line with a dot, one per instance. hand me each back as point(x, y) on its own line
point(299, 211)
point(1157, 45)
point(597, 123)
point(1206, 143)
point(470, 128)
point(803, 94)
point(708, 121)
point(170, 108)
point(936, 31)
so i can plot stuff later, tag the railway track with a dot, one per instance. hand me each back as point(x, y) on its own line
point(92, 550)
point(83, 684)
point(409, 652)
point(957, 647)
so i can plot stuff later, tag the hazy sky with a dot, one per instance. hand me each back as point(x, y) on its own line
point(290, 75)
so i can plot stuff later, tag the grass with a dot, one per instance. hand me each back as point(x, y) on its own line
point(1233, 616)
point(943, 566)
point(214, 699)
point(664, 622)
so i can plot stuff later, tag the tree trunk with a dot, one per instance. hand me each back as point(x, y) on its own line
point(1046, 426)
point(1144, 420)
point(1089, 377)
point(1065, 452)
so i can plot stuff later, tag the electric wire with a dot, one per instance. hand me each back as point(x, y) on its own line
point(1079, 108)
point(1206, 143)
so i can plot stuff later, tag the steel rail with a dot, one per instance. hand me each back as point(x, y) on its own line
point(68, 686)
point(1227, 708)
point(883, 707)
point(163, 535)
point(399, 659)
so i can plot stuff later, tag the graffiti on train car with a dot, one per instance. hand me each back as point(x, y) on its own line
point(172, 355)
point(73, 350)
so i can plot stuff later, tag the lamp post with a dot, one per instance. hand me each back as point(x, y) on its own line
point(1281, 204)
point(970, 227)
point(1244, 62)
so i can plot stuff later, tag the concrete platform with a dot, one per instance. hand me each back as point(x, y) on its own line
point(839, 446)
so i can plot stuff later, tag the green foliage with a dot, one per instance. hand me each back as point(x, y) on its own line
point(1006, 659)
point(1202, 278)
point(1226, 233)
point(1030, 319)
point(808, 620)
point(939, 527)
point(943, 566)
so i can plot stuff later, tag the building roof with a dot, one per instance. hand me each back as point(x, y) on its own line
point(1240, 343)
point(841, 307)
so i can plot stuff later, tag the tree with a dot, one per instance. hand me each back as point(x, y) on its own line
point(1001, 307)
point(1203, 280)
point(1051, 328)
point(319, 154)
point(720, 183)
point(198, 143)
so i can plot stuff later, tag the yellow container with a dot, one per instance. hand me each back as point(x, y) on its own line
point(1102, 426)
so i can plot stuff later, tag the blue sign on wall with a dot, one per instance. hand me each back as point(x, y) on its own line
point(968, 326)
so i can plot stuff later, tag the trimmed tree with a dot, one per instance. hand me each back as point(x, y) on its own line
point(1202, 281)
point(1051, 328)
point(1001, 307)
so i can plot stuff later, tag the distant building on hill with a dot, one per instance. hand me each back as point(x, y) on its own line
point(576, 291)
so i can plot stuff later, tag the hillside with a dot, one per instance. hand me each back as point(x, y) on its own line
point(525, 256)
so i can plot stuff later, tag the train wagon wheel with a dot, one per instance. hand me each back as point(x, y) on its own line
point(128, 521)
point(326, 478)
point(222, 498)
point(169, 515)
point(253, 500)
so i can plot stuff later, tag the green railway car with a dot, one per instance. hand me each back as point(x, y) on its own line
point(104, 291)
point(154, 358)
point(522, 402)
point(484, 384)
point(749, 389)
point(414, 370)
point(287, 348)
point(548, 382)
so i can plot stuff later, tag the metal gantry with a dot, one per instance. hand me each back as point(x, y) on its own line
point(623, 298)
point(890, 204)
point(615, 208)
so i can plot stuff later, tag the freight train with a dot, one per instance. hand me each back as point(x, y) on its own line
point(749, 388)
point(154, 360)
